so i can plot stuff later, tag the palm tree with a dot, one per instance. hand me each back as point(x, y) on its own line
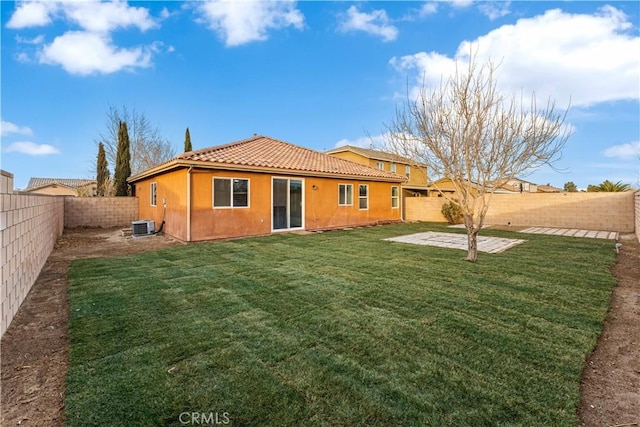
point(609, 186)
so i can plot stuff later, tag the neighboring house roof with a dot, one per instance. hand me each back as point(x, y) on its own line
point(445, 180)
point(262, 153)
point(372, 154)
point(522, 181)
point(549, 189)
point(35, 183)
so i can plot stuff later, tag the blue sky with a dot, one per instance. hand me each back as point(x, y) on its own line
point(317, 74)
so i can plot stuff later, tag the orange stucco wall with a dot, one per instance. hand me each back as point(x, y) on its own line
point(321, 210)
point(171, 186)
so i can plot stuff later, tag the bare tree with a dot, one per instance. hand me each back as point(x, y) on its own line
point(469, 132)
point(148, 147)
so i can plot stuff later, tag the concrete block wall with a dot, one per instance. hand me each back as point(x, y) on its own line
point(29, 226)
point(100, 211)
point(637, 208)
point(590, 211)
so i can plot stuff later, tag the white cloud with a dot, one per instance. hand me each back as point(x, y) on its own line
point(495, 9)
point(8, 128)
point(32, 14)
point(429, 8)
point(90, 15)
point(86, 53)
point(460, 4)
point(375, 23)
point(577, 57)
point(374, 142)
point(630, 150)
point(164, 14)
point(242, 22)
point(23, 57)
point(32, 149)
point(104, 17)
point(26, 40)
point(92, 50)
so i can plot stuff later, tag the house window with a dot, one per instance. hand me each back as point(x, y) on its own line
point(393, 168)
point(230, 193)
point(363, 197)
point(407, 171)
point(380, 165)
point(153, 193)
point(395, 197)
point(345, 194)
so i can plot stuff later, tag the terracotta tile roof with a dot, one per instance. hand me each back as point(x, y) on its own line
point(264, 152)
point(372, 154)
point(65, 182)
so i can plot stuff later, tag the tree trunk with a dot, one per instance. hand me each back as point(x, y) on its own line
point(472, 240)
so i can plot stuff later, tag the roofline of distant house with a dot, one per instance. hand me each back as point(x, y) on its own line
point(389, 156)
point(49, 184)
point(182, 163)
point(40, 187)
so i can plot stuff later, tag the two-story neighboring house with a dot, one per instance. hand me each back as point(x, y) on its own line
point(416, 184)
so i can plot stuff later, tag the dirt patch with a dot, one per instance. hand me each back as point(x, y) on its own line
point(610, 387)
point(34, 348)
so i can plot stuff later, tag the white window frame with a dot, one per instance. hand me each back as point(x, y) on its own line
point(366, 197)
point(231, 205)
point(348, 200)
point(303, 204)
point(393, 168)
point(153, 194)
point(407, 171)
point(395, 200)
point(380, 165)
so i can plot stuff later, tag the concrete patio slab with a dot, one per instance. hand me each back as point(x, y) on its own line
point(492, 245)
point(572, 232)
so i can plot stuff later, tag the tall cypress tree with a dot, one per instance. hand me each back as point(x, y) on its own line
point(187, 141)
point(103, 170)
point(123, 162)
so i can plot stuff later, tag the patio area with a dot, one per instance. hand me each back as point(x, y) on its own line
point(492, 245)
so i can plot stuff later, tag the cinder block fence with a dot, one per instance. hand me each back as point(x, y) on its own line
point(99, 211)
point(589, 211)
point(30, 226)
point(637, 208)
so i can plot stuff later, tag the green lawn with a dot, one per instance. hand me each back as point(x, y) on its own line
point(337, 329)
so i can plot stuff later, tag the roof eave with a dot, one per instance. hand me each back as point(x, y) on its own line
point(163, 167)
point(176, 163)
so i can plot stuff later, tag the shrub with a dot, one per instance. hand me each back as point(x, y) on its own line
point(452, 212)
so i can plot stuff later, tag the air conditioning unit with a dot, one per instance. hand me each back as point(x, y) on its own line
point(143, 227)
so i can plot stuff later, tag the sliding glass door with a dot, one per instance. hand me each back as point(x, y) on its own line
point(288, 204)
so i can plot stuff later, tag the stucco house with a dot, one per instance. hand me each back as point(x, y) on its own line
point(262, 185)
point(416, 183)
point(62, 187)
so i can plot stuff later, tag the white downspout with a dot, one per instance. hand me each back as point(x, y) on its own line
point(189, 203)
